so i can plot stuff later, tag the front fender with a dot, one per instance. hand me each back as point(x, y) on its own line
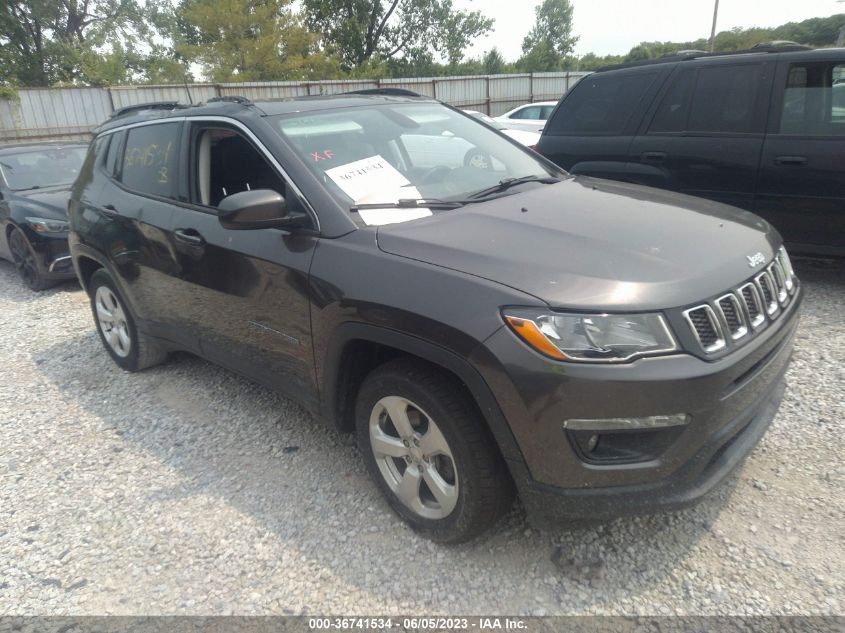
point(350, 332)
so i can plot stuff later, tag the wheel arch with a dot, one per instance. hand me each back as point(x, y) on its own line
point(87, 262)
point(355, 349)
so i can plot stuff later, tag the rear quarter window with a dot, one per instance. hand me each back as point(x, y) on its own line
point(600, 104)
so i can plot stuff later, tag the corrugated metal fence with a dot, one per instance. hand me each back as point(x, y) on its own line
point(71, 113)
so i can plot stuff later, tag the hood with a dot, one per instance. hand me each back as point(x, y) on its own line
point(51, 202)
point(589, 244)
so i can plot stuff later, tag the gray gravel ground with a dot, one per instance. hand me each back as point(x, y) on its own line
point(188, 490)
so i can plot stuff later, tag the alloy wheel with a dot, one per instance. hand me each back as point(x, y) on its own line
point(413, 457)
point(23, 258)
point(111, 319)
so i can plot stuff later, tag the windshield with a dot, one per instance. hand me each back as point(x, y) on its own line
point(386, 153)
point(42, 168)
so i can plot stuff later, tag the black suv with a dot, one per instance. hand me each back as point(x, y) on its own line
point(763, 130)
point(599, 347)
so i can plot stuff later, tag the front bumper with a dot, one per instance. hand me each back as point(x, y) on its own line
point(714, 461)
point(52, 254)
point(731, 402)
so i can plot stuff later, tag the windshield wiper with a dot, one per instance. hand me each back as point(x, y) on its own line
point(507, 183)
point(411, 203)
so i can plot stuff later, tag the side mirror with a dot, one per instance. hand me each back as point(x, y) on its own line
point(256, 209)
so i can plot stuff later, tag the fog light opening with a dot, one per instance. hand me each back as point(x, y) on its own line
point(624, 440)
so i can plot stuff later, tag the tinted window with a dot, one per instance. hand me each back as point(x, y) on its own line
point(112, 155)
point(227, 163)
point(43, 167)
point(532, 113)
point(671, 114)
point(546, 111)
point(814, 100)
point(600, 104)
point(724, 99)
point(150, 159)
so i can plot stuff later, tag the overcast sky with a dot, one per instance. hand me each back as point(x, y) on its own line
point(615, 26)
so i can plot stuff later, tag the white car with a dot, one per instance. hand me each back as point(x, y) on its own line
point(525, 137)
point(529, 116)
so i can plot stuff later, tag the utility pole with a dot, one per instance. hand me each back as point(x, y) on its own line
point(713, 29)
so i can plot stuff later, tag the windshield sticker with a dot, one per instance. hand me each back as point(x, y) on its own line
point(374, 180)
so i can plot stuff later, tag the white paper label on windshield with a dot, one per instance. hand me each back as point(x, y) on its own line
point(372, 180)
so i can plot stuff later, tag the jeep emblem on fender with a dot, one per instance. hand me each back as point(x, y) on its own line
point(756, 259)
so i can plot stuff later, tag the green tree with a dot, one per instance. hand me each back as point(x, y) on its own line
point(552, 29)
point(541, 57)
point(47, 41)
point(819, 32)
point(494, 62)
point(249, 40)
point(358, 31)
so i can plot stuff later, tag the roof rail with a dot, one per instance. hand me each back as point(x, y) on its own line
point(684, 53)
point(387, 92)
point(230, 99)
point(780, 46)
point(153, 105)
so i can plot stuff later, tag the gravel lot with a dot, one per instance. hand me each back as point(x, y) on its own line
point(186, 489)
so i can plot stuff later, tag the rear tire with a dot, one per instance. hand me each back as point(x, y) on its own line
point(23, 256)
point(429, 451)
point(129, 348)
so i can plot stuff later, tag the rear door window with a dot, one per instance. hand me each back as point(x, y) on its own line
point(601, 104)
point(814, 100)
point(150, 160)
point(725, 99)
point(718, 99)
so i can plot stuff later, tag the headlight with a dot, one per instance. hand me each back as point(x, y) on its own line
point(595, 338)
point(47, 225)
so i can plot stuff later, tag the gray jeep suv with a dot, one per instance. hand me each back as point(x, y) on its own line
point(599, 348)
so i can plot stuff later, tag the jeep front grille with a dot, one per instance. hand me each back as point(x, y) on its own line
point(767, 289)
point(733, 315)
point(738, 314)
point(753, 304)
point(706, 328)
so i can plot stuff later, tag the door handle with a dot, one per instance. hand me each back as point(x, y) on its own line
point(653, 157)
point(108, 210)
point(189, 236)
point(791, 160)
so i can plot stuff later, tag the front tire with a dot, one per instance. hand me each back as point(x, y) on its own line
point(429, 451)
point(129, 348)
point(26, 263)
